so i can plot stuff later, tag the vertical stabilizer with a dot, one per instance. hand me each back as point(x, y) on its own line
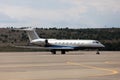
point(31, 33)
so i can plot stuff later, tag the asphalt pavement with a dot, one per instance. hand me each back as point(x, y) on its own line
point(77, 65)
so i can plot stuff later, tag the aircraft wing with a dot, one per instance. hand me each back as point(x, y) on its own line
point(55, 48)
point(61, 48)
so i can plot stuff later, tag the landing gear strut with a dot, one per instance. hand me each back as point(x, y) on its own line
point(98, 52)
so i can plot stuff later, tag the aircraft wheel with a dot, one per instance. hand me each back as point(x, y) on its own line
point(98, 52)
point(62, 52)
point(53, 52)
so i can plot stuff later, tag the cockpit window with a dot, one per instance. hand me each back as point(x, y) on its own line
point(96, 42)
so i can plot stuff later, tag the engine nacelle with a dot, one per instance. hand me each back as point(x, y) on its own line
point(40, 42)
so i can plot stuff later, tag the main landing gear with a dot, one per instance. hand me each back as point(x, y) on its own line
point(62, 52)
point(54, 52)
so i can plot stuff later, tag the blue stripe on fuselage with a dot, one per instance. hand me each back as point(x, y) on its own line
point(60, 46)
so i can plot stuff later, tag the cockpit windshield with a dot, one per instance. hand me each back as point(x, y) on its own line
point(96, 42)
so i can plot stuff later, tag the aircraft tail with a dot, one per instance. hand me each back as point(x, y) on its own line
point(31, 33)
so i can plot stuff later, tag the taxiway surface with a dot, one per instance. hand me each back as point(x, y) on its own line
point(80, 65)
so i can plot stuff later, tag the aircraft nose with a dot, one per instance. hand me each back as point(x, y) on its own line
point(102, 45)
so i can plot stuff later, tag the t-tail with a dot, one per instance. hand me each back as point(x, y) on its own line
point(32, 35)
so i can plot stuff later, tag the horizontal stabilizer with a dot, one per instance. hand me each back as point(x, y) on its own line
point(31, 47)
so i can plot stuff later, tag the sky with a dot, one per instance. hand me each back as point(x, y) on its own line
point(60, 13)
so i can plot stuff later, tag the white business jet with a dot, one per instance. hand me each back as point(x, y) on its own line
point(61, 45)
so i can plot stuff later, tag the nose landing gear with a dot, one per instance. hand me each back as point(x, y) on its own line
point(97, 52)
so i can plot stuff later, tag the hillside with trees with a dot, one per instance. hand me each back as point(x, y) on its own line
point(110, 37)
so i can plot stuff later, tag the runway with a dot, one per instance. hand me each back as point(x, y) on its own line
point(79, 65)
